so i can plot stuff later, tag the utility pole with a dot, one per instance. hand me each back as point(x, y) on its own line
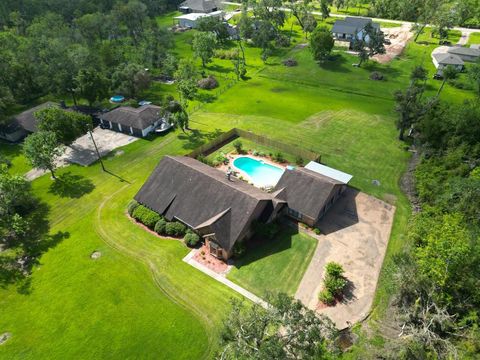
point(96, 149)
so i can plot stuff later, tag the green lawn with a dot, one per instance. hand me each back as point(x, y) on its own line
point(474, 38)
point(277, 265)
point(13, 153)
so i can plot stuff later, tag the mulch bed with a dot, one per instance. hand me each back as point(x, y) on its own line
point(205, 258)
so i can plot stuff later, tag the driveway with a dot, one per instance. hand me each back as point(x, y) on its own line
point(82, 151)
point(355, 232)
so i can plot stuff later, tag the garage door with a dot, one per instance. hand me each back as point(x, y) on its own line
point(115, 127)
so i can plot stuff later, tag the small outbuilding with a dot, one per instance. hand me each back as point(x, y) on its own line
point(134, 121)
point(351, 29)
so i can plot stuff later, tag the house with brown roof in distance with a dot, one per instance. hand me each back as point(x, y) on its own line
point(222, 209)
point(134, 121)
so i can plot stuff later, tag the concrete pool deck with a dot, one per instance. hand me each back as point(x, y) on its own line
point(232, 157)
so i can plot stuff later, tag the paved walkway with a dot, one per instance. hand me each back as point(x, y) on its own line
point(356, 233)
point(221, 278)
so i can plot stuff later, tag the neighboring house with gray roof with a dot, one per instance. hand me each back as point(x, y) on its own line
point(198, 6)
point(308, 194)
point(223, 209)
point(465, 53)
point(441, 60)
point(351, 29)
point(134, 121)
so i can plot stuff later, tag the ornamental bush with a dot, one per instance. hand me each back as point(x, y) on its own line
point(334, 269)
point(334, 283)
point(132, 205)
point(191, 239)
point(146, 216)
point(160, 226)
point(175, 229)
point(237, 144)
point(376, 75)
point(208, 83)
point(326, 297)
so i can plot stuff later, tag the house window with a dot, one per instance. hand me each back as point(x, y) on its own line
point(295, 214)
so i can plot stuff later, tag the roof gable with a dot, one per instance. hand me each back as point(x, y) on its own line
point(307, 191)
point(27, 118)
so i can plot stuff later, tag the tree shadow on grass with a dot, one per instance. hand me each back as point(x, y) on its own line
point(194, 138)
point(71, 186)
point(206, 98)
point(19, 258)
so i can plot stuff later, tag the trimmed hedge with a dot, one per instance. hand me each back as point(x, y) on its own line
point(146, 216)
point(132, 205)
point(175, 229)
point(160, 226)
point(191, 239)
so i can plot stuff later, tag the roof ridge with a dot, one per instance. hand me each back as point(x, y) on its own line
point(220, 179)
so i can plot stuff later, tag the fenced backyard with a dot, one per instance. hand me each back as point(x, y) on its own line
point(229, 136)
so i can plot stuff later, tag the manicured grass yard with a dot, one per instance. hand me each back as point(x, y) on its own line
point(13, 153)
point(474, 38)
point(277, 265)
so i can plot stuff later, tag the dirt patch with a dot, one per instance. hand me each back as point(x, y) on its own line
point(407, 182)
point(204, 257)
point(278, 90)
point(4, 337)
point(399, 37)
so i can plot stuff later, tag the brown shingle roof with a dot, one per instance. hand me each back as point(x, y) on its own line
point(201, 197)
point(138, 118)
point(307, 191)
point(27, 118)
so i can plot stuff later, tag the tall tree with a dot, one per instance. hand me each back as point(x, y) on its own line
point(92, 84)
point(42, 151)
point(408, 107)
point(130, 79)
point(66, 125)
point(186, 77)
point(448, 73)
point(370, 43)
point(321, 43)
point(473, 73)
point(204, 45)
point(285, 330)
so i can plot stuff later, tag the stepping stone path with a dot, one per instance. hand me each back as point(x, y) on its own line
point(4, 337)
point(96, 255)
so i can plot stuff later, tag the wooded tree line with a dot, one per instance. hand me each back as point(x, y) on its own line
point(438, 12)
point(437, 278)
point(85, 55)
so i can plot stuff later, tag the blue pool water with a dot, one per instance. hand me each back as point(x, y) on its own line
point(260, 173)
point(117, 98)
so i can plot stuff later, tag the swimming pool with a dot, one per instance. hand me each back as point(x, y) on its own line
point(117, 98)
point(259, 172)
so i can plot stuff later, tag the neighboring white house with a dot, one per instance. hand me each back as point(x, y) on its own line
point(198, 6)
point(352, 28)
point(465, 53)
point(441, 60)
point(191, 20)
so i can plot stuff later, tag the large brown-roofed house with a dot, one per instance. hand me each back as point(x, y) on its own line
point(308, 194)
point(134, 121)
point(221, 210)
